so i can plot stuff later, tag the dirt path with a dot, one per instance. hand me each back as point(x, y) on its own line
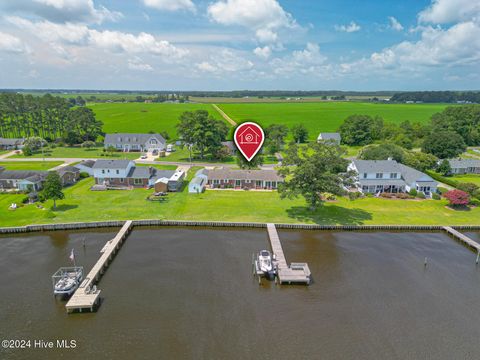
point(225, 116)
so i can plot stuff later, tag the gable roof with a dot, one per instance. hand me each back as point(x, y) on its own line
point(464, 163)
point(132, 139)
point(329, 136)
point(11, 142)
point(407, 173)
point(65, 169)
point(111, 164)
point(87, 163)
point(23, 175)
point(223, 173)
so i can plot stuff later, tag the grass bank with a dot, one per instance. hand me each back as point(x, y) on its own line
point(81, 204)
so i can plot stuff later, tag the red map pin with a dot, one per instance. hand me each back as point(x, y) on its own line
point(249, 138)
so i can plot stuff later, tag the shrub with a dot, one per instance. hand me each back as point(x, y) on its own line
point(413, 192)
point(421, 195)
point(442, 190)
point(354, 195)
point(25, 200)
point(469, 188)
point(27, 151)
point(475, 202)
point(457, 197)
point(328, 197)
point(403, 196)
point(436, 196)
point(84, 175)
point(369, 195)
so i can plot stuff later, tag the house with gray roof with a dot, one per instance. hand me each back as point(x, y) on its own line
point(224, 178)
point(464, 166)
point(135, 142)
point(377, 176)
point(330, 137)
point(86, 166)
point(125, 173)
point(23, 180)
point(11, 144)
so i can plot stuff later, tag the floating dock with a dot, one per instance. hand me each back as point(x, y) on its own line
point(87, 296)
point(296, 272)
point(463, 238)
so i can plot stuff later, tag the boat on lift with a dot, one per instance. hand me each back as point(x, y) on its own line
point(264, 264)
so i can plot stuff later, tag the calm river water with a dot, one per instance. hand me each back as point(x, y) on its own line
point(179, 293)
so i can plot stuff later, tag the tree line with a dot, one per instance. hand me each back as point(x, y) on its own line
point(437, 96)
point(49, 117)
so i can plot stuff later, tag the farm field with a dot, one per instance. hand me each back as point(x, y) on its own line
point(326, 116)
point(30, 165)
point(81, 204)
point(142, 118)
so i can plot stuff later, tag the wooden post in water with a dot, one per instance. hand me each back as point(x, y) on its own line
point(425, 262)
point(478, 256)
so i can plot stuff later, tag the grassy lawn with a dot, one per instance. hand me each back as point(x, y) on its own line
point(30, 165)
point(81, 204)
point(467, 178)
point(142, 118)
point(352, 151)
point(81, 153)
point(326, 116)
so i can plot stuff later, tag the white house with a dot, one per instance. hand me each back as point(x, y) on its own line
point(377, 176)
point(465, 166)
point(333, 137)
point(86, 166)
point(135, 142)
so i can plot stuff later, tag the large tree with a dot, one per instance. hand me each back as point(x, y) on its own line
point(464, 120)
point(300, 133)
point(255, 163)
point(361, 129)
point(444, 144)
point(382, 152)
point(312, 170)
point(275, 137)
point(52, 188)
point(203, 131)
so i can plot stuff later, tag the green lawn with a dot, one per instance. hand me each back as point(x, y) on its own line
point(467, 179)
point(142, 118)
point(80, 153)
point(326, 116)
point(30, 165)
point(81, 204)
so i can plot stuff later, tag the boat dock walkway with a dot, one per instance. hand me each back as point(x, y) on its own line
point(463, 238)
point(296, 272)
point(86, 297)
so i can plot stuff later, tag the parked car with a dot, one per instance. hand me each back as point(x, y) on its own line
point(143, 157)
point(170, 148)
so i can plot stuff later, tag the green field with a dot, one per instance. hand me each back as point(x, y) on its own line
point(81, 204)
point(142, 118)
point(30, 165)
point(80, 153)
point(326, 116)
point(475, 179)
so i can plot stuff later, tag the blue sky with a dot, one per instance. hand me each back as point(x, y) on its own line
point(240, 44)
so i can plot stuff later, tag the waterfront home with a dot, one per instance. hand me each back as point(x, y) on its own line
point(11, 144)
point(68, 174)
point(331, 137)
point(135, 142)
point(124, 173)
point(24, 180)
point(464, 166)
point(198, 183)
point(377, 176)
point(86, 166)
point(223, 178)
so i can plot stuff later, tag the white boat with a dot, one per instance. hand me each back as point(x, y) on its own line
point(67, 280)
point(265, 264)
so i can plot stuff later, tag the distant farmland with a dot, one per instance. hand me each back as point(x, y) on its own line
point(327, 116)
point(142, 118)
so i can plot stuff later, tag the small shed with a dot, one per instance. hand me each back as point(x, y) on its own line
point(197, 185)
point(176, 181)
point(161, 185)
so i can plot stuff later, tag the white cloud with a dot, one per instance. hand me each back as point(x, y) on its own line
point(352, 27)
point(65, 10)
point(139, 65)
point(115, 41)
point(265, 17)
point(450, 11)
point(395, 24)
point(307, 61)
point(170, 5)
point(263, 52)
point(10, 43)
point(226, 61)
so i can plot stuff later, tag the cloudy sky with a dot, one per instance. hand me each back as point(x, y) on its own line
point(240, 44)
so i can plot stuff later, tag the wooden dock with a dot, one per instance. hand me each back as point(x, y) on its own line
point(463, 238)
point(296, 272)
point(87, 296)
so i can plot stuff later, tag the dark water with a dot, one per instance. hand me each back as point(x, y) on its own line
point(176, 293)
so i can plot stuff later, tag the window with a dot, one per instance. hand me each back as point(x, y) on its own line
point(153, 142)
point(379, 175)
point(274, 184)
point(393, 175)
point(248, 181)
point(258, 183)
point(121, 180)
point(238, 182)
point(118, 172)
point(216, 181)
point(103, 171)
point(137, 181)
point(365, 175)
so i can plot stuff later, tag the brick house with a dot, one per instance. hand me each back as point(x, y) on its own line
point(223, 178)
